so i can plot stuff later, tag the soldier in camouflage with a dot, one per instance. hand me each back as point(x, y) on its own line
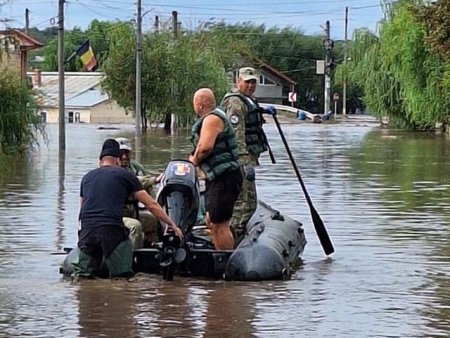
point(143, 226)
point(244, 114)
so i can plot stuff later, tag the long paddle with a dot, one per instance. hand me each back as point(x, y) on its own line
point(318, 224)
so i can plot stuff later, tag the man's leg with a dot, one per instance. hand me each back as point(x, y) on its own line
point(244, 209)
point(117, 250)
point(221, 234)
point(87, 261)
point(136, 235)
point(150, 227)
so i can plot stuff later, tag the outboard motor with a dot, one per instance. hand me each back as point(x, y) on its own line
point(179, 193)
point(180, 197)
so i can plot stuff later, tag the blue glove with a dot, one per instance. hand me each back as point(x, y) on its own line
point(270, 110)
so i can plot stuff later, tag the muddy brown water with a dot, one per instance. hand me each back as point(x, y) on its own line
point(384, 198)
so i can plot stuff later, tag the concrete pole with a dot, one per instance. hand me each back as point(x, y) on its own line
point(173, 115)
point(61, 101)
point(138, 103)
point(344, 85)
point(327, 90)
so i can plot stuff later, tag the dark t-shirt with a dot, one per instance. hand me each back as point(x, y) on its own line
point(105, 191)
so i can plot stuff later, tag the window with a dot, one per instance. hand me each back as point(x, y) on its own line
point(43, 116)
point(264, 81)
point(70, 117)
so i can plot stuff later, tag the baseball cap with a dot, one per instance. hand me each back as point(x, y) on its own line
point(248, 73)
point(124, 143)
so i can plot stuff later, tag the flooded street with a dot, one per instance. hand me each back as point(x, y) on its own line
point(384, 197)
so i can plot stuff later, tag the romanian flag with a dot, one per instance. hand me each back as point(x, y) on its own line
point(87, 56)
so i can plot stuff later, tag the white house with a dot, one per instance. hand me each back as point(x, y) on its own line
point(85, 101)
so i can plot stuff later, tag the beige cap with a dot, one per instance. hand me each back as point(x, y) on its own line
point(248, 73)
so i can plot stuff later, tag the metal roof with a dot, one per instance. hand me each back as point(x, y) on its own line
point(78, 86)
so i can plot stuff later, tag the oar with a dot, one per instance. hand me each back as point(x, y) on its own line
point(317, 221)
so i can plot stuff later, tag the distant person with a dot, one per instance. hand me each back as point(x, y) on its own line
point(244, 113)
point(143, 225)
point(216, 154)
point(102, 234)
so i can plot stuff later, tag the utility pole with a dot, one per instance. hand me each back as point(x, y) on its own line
point(24, 51)
point(61, 104)
point(329, 44)
point(175, 23)
point(156, 23)
point(344, 85)
point(173, 115)
point(138, 107)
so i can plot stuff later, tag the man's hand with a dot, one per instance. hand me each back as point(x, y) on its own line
point(270, 110)
point(177, 231)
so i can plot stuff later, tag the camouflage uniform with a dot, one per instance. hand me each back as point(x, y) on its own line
point(237, 111)
point(141, 224)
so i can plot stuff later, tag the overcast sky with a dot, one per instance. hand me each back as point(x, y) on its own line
point(307, 15)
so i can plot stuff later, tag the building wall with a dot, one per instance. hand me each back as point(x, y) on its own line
point(106, 112)
point(110, 112)
point(10, 61)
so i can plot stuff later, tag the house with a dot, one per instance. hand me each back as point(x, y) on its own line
point(14, 47)
point(273, 86)
point(85, 101)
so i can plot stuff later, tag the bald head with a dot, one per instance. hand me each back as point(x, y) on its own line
point(204, 101)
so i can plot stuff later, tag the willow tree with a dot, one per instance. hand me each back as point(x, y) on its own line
point(18, 121)
point(399, 75)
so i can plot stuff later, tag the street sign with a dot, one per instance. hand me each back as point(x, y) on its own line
point(292, 97)
point(335, 97)
point(320, 67)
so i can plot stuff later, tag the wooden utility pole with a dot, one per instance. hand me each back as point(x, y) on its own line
point(61, 104)
point(344, 85)
point(156, 23)
point(138, 108)
point(24, 50)
point(175, 23)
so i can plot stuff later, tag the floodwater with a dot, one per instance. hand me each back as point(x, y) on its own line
point(383, 196)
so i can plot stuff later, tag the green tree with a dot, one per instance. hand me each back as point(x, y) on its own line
point(18, 122)
point(405, 82)
point(171, 71)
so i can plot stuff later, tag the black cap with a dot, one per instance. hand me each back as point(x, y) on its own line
point(110, 148)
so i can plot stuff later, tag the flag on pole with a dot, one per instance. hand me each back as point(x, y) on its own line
point(87, 56)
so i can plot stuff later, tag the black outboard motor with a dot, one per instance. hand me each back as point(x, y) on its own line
point(179, 193)
point(180, 197)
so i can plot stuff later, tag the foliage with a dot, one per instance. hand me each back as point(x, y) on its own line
point(18, 122)
point(288, 50)
point(171, 71)
point(97, 34)
point(404, 82)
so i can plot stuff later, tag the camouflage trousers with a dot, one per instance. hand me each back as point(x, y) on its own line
point(244, 208)
point(144, 230)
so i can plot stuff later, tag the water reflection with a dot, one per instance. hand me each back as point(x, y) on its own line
point(383, 196)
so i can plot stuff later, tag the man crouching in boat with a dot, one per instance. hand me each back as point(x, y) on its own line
point(216, 153)
point(143, 226)
point(102, 234)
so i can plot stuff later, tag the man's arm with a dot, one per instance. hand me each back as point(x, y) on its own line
point(211, 127)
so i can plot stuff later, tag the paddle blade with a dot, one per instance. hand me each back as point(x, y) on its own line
point(321, 231)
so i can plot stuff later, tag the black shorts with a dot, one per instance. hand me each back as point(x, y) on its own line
point(221, 194)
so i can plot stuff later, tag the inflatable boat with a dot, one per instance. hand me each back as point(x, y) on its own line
point(271, 249)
